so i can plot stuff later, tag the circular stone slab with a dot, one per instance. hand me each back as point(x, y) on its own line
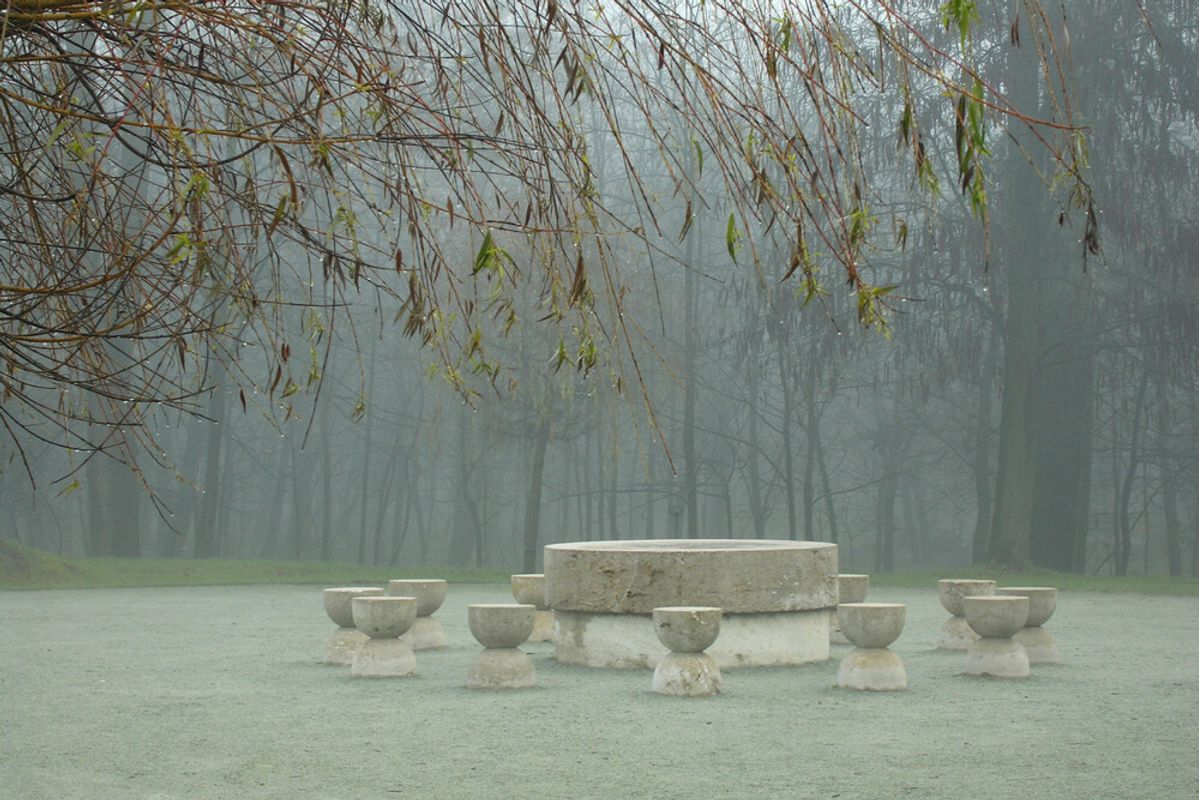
point(741, 576)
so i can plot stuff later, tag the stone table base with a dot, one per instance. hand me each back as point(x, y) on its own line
point(746, 640)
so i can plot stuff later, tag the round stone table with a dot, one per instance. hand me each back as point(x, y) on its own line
point(775, 594)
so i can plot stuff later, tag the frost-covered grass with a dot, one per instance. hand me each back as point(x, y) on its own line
point(201, 693)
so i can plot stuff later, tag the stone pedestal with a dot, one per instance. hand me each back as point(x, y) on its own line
point(995, 654)
point(384, 654)
point(529, 589)
point(1037, 642)
point(341, 644)
point(686, 631)
point(501, 628)
point(851, 588)
point(426, 633)
point(870, 666)
point(775, 597)
point(956, 633)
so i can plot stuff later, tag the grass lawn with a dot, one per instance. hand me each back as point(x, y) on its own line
point(25, 568)
point(218, 692)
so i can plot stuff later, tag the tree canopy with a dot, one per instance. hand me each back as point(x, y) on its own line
point(183, 180)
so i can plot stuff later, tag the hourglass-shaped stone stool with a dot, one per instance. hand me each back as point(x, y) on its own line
point(426, 633)
point(341, 644)
point(529, 589)
point(956, 633)
point(687, 671)
point(850, 589)
point(996, 619)
point(501, 628)
point(1038, 642)
point(870, 666)
point(384, 654)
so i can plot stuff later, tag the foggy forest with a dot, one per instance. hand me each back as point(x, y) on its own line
point(438, 283)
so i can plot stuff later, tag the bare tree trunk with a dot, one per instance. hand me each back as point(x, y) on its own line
point(207, 540)
point(613, 484)
point(1124, 507)
point(827, 489)
point(326, 476)
point(690, 388)
point(811, 425)
point(1167, 465)
point(532, 550)
point(757, 510)
point(982, 453)
point(466, 528)
point(270, 545)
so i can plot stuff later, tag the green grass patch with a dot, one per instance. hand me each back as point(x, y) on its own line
point(25, 568)
point(1066, 581)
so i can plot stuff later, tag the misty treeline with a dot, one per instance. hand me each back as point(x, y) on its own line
point(968, 363)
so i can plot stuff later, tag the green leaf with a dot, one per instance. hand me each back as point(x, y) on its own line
point(731, 236)
point(485, 258)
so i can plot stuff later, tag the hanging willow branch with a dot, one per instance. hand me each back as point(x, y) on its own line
point(177, 178)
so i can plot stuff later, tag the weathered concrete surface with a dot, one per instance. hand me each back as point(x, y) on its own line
point(1039, 644)
point(500, 625)
point(851, 588)
point(384, 617)
point(687, 675)
point(429, 593)
point(1042, 602)
point(687, 629)
point(872, 625)
point(383, 658)
point(872, 670)
point(952, 591)
point(341, 644)
point(501, 668)
point(426, 633)
point(337, 602)
point(529, 589)
point(742, 576)
point(956, 634)
point(628, 640)
point(996, 658)
point(996, 616)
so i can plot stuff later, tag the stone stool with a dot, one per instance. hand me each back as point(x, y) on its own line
point(341, 644)
point(956, 633)
point(1038, 642)
point(870, 666)
point(529, 589)
point(687, 671)
point(850, 589)
point(501, 628)
point(996, 619)
point(426, 633)
point(384, 620)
